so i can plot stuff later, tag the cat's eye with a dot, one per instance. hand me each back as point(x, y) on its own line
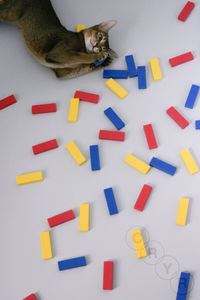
point(100, 36)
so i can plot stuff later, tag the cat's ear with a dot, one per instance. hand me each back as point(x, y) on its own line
point(106, 26)
point(112, 53)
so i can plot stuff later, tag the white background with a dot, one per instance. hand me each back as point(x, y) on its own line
point(147, 29)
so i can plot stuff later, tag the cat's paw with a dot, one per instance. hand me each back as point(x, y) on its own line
point(108, 61)
point(101, 56)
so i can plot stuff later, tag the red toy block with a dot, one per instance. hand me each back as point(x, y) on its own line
point(108, 275)
point(151, 140)
point(7, 101)
point(30, 297)
point(44, 108)
point(88, 97)
point(186, 11)
point(181, 59)
point(45, 146)
point(61, 218)
point(143, 197)
point(177, 117)
point(111, 135)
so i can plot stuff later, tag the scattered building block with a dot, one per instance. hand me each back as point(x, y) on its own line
point(7, 101)
point(197, 124)
point(142, 82)
point(192, 96)
point(111, 135)
point(111, 203)
point(46, 245)
point(84, 217)
point(186, 11)
point(108, 275)
point(29, 178)
point(46, 146)
point(151, 140)
point(139, 243)
point(114, 118)
point(98, 63)
point(75, 153)
point(189, 161)
point(131, 66)
point(94, 157)
point(155, 69)
point(72, 263)
point(183, 286)
point(116, 88)
point(143, 197)
point(30, 297)
point(137, 164)
point(44, 108)
point(116, 74)
point(80, 27)
point(88, 97)
point(61, 218)
point(73, 110)
point(182, 211)
point(162, 166)
point(181, 59)
point(177, 117)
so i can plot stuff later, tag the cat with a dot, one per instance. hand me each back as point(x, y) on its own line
point(68, 54)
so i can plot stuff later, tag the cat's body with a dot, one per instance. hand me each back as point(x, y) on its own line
point(67, 53)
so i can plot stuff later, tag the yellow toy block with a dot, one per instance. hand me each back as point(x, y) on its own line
point(80, 27)
point(136, 163)
point(139, 243)
point(182, 211)
point(46, 245)
point(84, 217)
point(29, 178)
point(75, 153)
point(116, 88)
point(73, 110)
point(155, 68)
point(189, 161)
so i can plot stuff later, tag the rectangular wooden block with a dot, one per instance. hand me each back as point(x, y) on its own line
point(137, 164)
point(29, 178)
point(72, 263)
point(177, 117)
point(116, 88)
point(7, 101)
point(192, 96)
point(186, 11)
point(131, 66)
point(139, 243)
point(46, 146)
point(30, 297)
point(46, 245)
point(149, 133)
point(94, 157)
point(143, 197)
point(114, 118)
point(162, 166)
point(75, 153)
point(111, 203)
point(155, 69)
point(183, 286)
point(108, 275)
point(61, 218)
point(142, 82)
point(44, 108)
point(112, 135)
point(80, 27)
point(115, 74)
point(182, 211)
point(181, 59)
point(73, 110)
point(84, 217)
point(189, 161)
point(88, 97)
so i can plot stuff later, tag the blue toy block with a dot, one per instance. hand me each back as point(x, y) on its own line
point(131, 65)
point(183, 286)
point(114, 118)
point(110, 199)
point(162, 166)
point(72, 263)
point(197, 124)
point(94, 157)
point(116, 74)
point(98, 63)
point(192, 96)
point(142, 82)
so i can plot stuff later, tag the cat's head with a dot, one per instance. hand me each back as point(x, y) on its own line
point(96, 38)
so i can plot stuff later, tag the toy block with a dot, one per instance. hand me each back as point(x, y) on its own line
point(29, 178)
point(46, 146)
point(80, 27)
point(73, 110)
point(131, 66)
point(108, 275)
point(142, 83)
point(7, 101)
point(186, 11)
point(139, 243)
point(94, 158)
point(137, 164)
point(44, 108)
point(61, 218)
point(143, 197)
point(88, 97)
point(155, 69)
point(116, 88)
point(30, 297)
point(192, 96)
point(151, 140)
point(115, 74)
point(84, 217)
point(162, 166)
point(98, 63)
point(112, 135)
point(72, 263)
point(183, 286)
point(46, 245)
point(111, 203)
point(177, 117)
point(189, 161)
point(75, 153)
point(181, 59)
point(182, 211)
point(114, 118)
point(197, 124)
